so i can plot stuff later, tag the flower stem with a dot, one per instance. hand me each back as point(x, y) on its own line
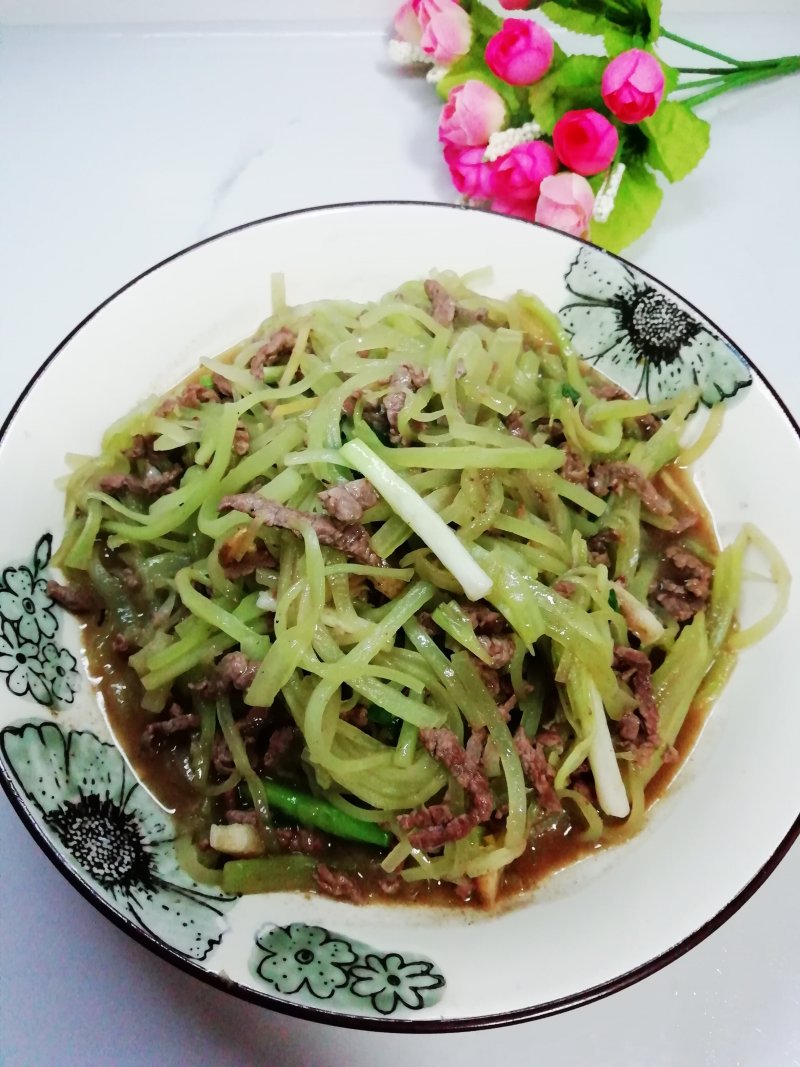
point(744, 77)
point(719, 71)
point(737, 64)
point(699, 47)
point(700, 83)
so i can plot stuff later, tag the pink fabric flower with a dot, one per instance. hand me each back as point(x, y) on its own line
point(585, 141)
point(519, 173)
point(406, 24)
point(565, 202)
point(446, 30)
point(521, 53)
point(471, 176)
point(473, 112)
point(633, 85)
point(518, 209)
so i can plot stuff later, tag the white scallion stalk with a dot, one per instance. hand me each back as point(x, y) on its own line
point(422, 519)
point(236, 839)
point(603, 760)
point(639, 619)
point(266, 601)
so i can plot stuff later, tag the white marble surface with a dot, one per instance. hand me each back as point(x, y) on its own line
point(119, 146)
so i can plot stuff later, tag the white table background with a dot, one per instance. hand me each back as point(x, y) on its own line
point(123, 143)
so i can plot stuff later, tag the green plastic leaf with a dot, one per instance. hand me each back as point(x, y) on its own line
point(638, 200)
point(634, 18)
point(653, 9)
point(596, 181)
point(484, 21)
point(577, 21)
point(671, 75)
point(678, 140)
point(574, 84)
point(617, 40)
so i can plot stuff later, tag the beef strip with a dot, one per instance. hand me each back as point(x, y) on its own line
point(223, 386)
point(433, 826)
point(194, 394)
point(489, 676)
point(337, 884)
point(564, 587)
point(253, 723)
point(356, 716)
point(444, 746)
point(239, 557)
point(551, 429)
point(574, 469)
point(242, 815)
point(476, 742)
point(282, 749)
point(237, 670)
point(684, 585)
point(613, 477)
point(500, 647)
point(300, 839)
point(352, 539)
point(375, 417)
point(349, 501)
point(634, 667)
point(608, 391)
point(73, 598)
point(446, 311)
point(515, 424)
point(390, 884)
point(258, 557)
point(280, 344)
point(583, 786)
point(537, 770)
point(506, 707)
point(221, 758)
point(438, 835)
point(250, 729)
point(122, 646)
point(648, 424)
point(241, 440)
point(425, 619)
point(424, 817)
point(154, 483)
point(443, 305)
point(484, 619)
point(629, 726)
point(177, 722)
point(406, 378)
point(141, 447)
point(599, 544)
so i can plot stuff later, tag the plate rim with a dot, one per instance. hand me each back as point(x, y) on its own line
point(320, 1015)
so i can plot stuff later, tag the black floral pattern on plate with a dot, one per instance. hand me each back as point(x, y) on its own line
point(641, 338)
point(29, 658)
point(122, 842)
point(314, 964)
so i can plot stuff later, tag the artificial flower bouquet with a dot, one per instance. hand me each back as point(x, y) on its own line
point(573, 141)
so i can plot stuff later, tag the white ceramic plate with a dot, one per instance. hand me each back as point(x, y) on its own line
point(596, 927)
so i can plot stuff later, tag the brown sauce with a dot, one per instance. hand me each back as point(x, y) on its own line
point(166, 770)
